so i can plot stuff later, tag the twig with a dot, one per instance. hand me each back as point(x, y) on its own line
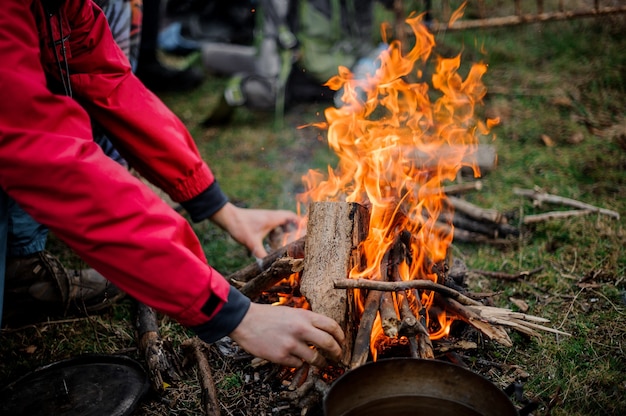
point(476, 212)
point(555, 215)
point(520, 18)
point(404, 285)
point(463, 187)
point(540, 197)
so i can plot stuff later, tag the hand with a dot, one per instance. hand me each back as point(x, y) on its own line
point(285, 335)
point(249, 226)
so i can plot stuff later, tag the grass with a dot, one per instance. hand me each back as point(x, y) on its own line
point(564, 81)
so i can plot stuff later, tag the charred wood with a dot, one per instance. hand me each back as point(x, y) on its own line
point(294, 249)
point(281, 269)
point(361, 348)
point(389, 318)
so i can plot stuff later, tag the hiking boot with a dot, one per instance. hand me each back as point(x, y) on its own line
point(160, 78)
point(38, 286)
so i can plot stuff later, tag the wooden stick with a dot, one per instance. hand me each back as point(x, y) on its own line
point(526, 18)
point(489, 229)
point(555, 215)
point(198, 349)
point(279, 270)
point(476, 212)
point(404, 285)
point(540, 197)
point(469, 236)
point(159, 357)
point(463, 187)
point(294, 249)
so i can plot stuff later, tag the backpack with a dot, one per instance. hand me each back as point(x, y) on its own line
point(299, 45)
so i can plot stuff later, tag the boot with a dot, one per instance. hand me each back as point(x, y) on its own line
point(38, 287)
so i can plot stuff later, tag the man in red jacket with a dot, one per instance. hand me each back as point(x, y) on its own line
point(60, 64)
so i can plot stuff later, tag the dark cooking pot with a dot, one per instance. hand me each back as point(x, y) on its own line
point(409, 386)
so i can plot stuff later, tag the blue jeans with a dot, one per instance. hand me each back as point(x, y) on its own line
point(20, 234)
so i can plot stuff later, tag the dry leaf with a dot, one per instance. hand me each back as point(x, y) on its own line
point(30, 349)
point(521, 305)
point(547, 140)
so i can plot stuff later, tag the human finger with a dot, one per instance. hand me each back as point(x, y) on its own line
point(329, 326)
point(310, 355)
point(316, 359)
point(325, 341)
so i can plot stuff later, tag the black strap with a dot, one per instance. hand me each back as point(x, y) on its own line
point(52, 7)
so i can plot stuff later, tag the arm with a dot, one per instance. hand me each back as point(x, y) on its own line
point(51, 166)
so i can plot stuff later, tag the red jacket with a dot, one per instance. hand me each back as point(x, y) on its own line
point(51, 166)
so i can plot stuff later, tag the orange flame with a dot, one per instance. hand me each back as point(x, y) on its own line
point(396, 147)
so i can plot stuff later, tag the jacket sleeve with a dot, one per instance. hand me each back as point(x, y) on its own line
point(50, 165)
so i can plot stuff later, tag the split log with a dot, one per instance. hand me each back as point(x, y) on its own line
point(540, 197)
point(334, 233)
point(197, 350)
point(294, 249)
point(492, 332)
point(522, 322)
point(163, 364)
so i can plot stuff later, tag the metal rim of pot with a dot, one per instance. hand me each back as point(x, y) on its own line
point(403, 386)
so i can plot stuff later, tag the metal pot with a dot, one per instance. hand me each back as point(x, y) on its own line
point(409, 386)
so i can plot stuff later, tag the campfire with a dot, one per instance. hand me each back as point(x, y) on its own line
point(375, 256)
